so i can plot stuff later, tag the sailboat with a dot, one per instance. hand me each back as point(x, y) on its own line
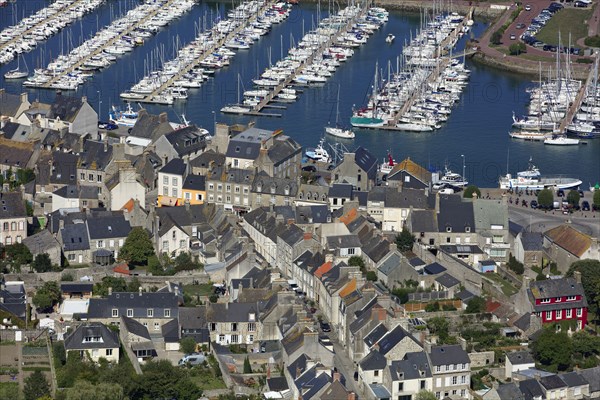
point(236, 108)
point(390, 38)
point(336, 130)
point(17, 73)
point(367, 117)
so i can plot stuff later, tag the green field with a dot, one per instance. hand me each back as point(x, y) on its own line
point(571, 20)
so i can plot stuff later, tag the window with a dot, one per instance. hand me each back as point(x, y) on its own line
point(237, 189)
point(543, 301)
point(165, 191)
point(111, 243)
point(91, 177)
point(115, 312)
point(71, 257)
point(156, 326)
point(165, 180)
point(100, 244)
point(437, 368)
point(187, 195)
point(211, 186)
point(167, 313)
point(447, 367)
point(165, 245)
point(99, 178)
point(548, 315)
point(251, 327)
point(181, 244)
point(174, 180)
point(228, 188)
point(174, 191)
point(150, 313)
point(351, 251)
point(109, 352)
point(130, 312)
point(463, 366)
point(250, 338)
point(569, 313)
point(358, 178)
point(463, 379)
point(571, 298)
point(220, 187)
point(221, 338)
point(463, 393)
point(234, 326)
point(8, 240)
point(422, 385)
point(234, 338)
point(558, 314)
point(82, 176)
point(579, 312)
point(19, 238)
point(21, 225)
point(557, 299)
point(400, 386)
point(376, 372)
point(455, 380)
point(213, 326)
point(198, 197)
point(5, 226)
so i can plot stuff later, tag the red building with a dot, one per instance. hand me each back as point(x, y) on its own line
point(559, 300)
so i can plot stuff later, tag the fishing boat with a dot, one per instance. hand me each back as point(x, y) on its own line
point(387, 165)
point(319, 153)
point(337, 130)
point(452, 178)
point(532, 179)
point(390, 38)
point(123, 118)
point(561, 140)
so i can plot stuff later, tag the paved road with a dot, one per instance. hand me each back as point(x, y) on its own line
point(345, 366)
point(540, 221)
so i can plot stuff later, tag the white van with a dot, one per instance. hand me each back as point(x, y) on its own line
point(192, 359)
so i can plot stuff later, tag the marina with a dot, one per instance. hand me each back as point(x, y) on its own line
point(479, 120)
point(209, 51)
point(67, 72)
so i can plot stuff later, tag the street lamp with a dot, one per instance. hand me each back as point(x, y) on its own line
point(99, 104)
point(463, 174)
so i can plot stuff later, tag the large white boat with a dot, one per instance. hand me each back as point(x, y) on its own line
point(452, 178)
point(123, 118)
point(528, 135)
point(319, 153)
point(532, 179)
point(561, 140)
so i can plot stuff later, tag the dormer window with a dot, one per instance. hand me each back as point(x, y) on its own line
point(259, 187)
point(545, 301)
point(286, 190)
point(273, 187)
point(467, 229)
point(251, 317)
point(448, 228)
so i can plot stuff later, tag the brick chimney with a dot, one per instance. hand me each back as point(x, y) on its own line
point(336, 376)
point(162, 117)
point(351, 396)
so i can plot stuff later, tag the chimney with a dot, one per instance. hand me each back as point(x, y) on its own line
point(577, 276)
point(503, 199)
point(351, 396)
point(437, 202)
point(24, 98)
point(307, 235)
point(61, 224)
point(1, 300)
point(463, 343)
point(84, 99)
point(162, 117)
point(187, 205)
point(109, 290)
point(140, 290)
point(329, 258)
point(336, 376)
point(105, 145)
point(474, 196)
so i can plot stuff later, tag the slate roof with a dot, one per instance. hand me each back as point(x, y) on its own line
point(570, 239)
point(531, 389)
point(392, 338)
point(490, 212)
point(283, 148)
point(57, 168)
point(379, 391)
point(247, 144)
point(447, 280)
point(423, 221)
point(205, 159)
point(523, 322)
point(520, 357)
point(510, 391)
point(234, 312)
point(41, 242)
point(15, 299)
point(335, 391)
point(415, 365)
point(186, 140)
point(94, 155)
point(75, 237)
point(74, 341)
point(412, 168)
point(592, 376)
point(277, 384)
point(12, 205)
point(183, 217)
point(14, 131)
point(192, 317)
point(65, 107)
point(135, 327)
point(390, 264)
point(373, 361)
point(341, 190)
point(343, 241)
point(108, 227)
point(9, 103)
point(532, 241)
point(292, 235)
point(362, 316)
point(455, 213)
point(552, 382)
point(266, 184)
point(416, 262)
point(366, 161)
point(573, 379)
point(195, 182)
point(176, 167)
point(451, 354)
point(434, 269)
point(170, 331)
point(376, 334)
point(556, 288)
point(68, 287)
point(15, 154)
point(150, 126)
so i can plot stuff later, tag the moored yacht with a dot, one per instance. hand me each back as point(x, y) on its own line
point(532, 179)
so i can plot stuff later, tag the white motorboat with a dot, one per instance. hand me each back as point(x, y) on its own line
point(452, 178)
point(390, 38)
point(319, 153)
point(532, 179)
point(235, 109)
point(561, 140)
point(123, 118)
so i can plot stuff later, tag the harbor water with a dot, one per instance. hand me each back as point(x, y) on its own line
point(477, 128)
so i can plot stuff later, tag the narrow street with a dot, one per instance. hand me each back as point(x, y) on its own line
point(345, 366)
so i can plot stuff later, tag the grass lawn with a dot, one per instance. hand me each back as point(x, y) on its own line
point(9, 390)
point(568, 20)
point(207, 381)
point(204, 289)
point(507, 287)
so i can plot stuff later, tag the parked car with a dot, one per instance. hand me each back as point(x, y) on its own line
point(527, 7)
point(560, 193)
point(309, 168)
point(581, 4)
point(533, 204)
point(325, 327)
point(520, 26)
point(513, 36)
point(585, 205)
point(192, 359)
point(109, 126)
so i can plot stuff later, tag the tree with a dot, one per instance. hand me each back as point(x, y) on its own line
point(553, 349)
point(160, 379)
point(356, 261)
point(496, 38)
point(470, 190)
point(247, 366)
point(24, 176)
point(586, 344)
point(187, 345)
point(545, 198)
point(476, 305)
point(84, 390)
point(18, 254)
point(47, 296)
point(42, 263)
point(117, 285)
point(590, 280)
point(573, 198)
point(516, 48)
point(134, 285)
point(138, 247)
point(514, 265)
point(596, 200)
point(36, 386)
point(185, 262)
point(405, 240)
point(425, 395)
point(372, 276)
